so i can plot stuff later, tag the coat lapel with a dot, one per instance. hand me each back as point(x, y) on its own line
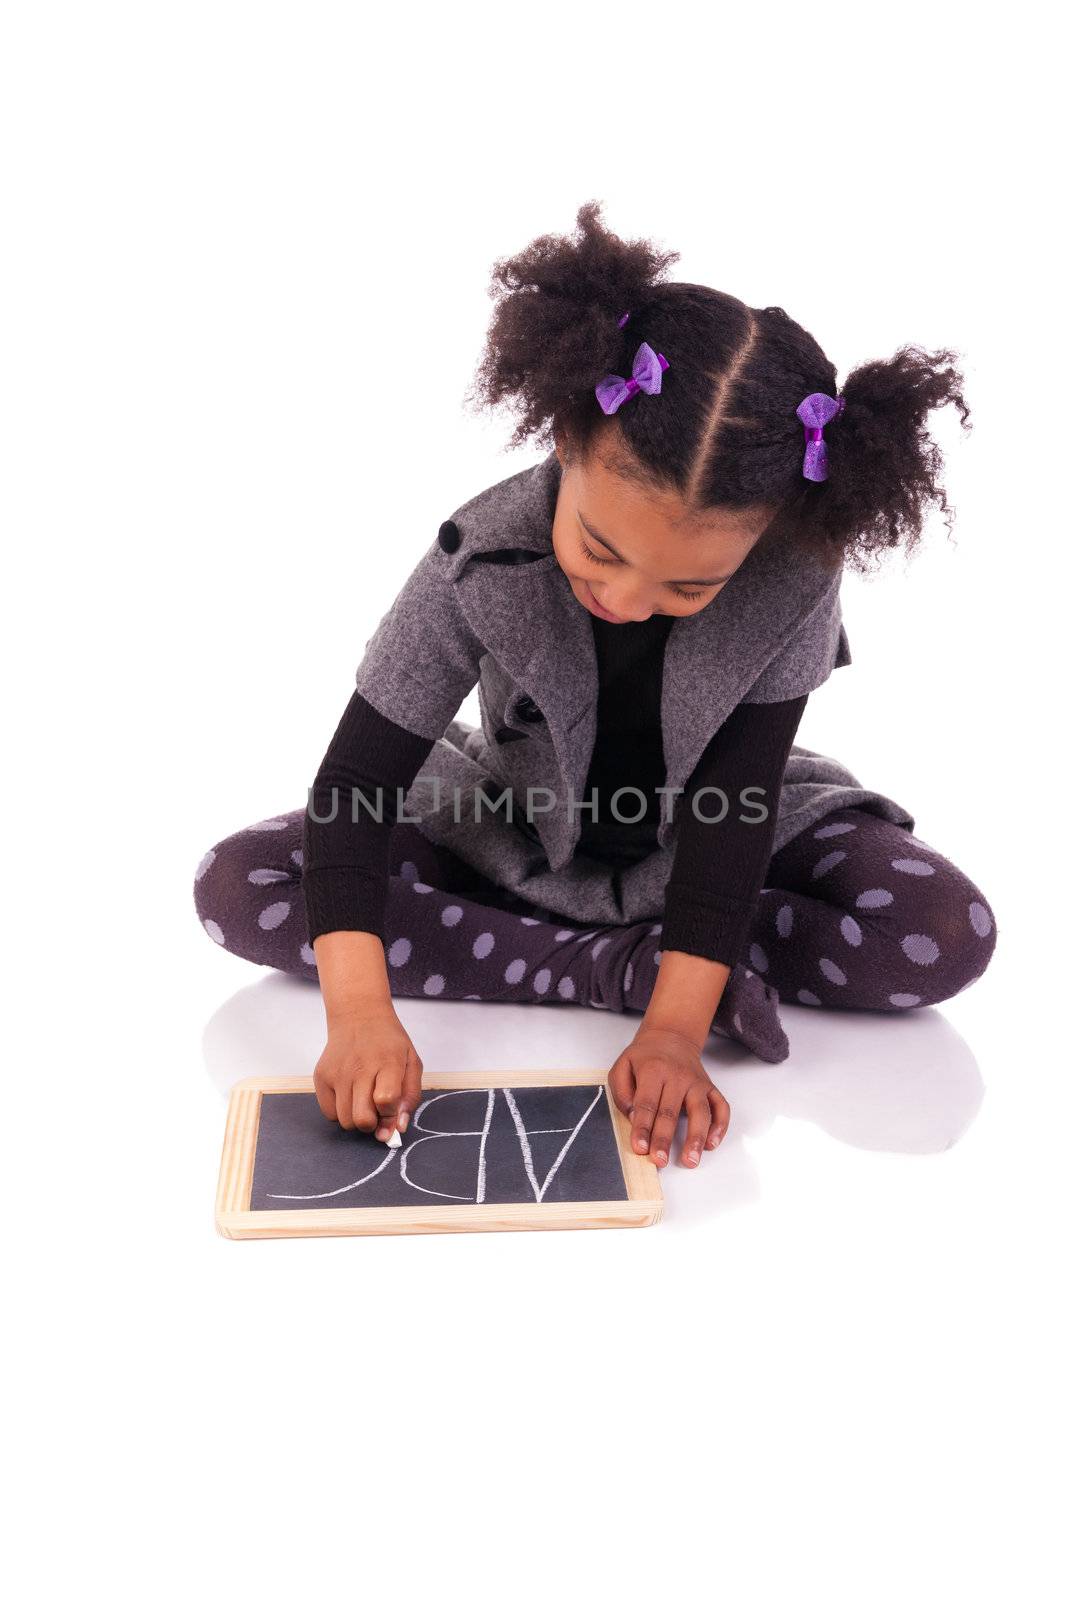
point(526, 615)
point(713, 657)
point(516, 513)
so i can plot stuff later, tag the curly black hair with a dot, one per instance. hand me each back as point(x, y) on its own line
point(723, 433)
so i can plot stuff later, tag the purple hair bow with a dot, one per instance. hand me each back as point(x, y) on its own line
point(815, 411)
point(648, 371)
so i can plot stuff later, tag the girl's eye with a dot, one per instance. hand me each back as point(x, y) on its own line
point(604, 561)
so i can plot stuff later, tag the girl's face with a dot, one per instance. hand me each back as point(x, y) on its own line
point(630, 554)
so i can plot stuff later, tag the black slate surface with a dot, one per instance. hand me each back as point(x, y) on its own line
point(466, 1146)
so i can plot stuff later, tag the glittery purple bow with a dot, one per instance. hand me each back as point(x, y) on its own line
point(815, 411)
point(648, 371)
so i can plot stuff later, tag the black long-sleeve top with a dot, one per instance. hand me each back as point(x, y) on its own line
point(718, 869)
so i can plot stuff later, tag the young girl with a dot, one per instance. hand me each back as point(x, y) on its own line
point(644, 612)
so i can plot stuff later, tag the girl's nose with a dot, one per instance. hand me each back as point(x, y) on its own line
point(631, 607)
point(627, 602)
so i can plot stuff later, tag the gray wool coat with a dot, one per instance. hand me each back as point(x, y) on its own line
point(472, 614)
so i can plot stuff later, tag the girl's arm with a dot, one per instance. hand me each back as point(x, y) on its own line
point(352, 976)
point(346, 861)
point(720, 866)
point(418, 666)
point(369, 1074)
point(686, 995)
point(710, 901)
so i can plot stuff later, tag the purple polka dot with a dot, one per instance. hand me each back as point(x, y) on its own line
point(738, 1024)
point(409, 872)
point(905, 1000)
point(297, 858)
point(273, 916)
point(628, 979)
point(542, 979)
point(434, 984)
point(917, 869)
point(831, 970)
point(657, 956)
point(657, 927)
point(565, 987)
point(823, 865)
point(214, 930)
point(482, 945)
point(531, 922)
point(272, 825)
point(514, 971)
point(260, 875)
point(205, 863)
point(601, 944)
point(582, 937)
point(564, 934)
point(834, 828)
point(873, 899)
point(399, 952)
point(472, 997)
point(850, 930)
point(920, 948)
point(806, 997)
point(981, 921)
point(451, 915)
point(308, 955)
point(784, 921)
point(422, 888)
point(758, 958)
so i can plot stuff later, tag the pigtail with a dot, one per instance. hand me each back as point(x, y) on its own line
point(723, 433)
point(884, 466)
point(554, 331)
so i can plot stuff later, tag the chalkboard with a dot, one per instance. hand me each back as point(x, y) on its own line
point(505, 1151)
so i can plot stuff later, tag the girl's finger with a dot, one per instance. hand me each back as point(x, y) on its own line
point(364, 1115)
point(327, 1101)
point(343, 1099)
point(388, 1083)
point(647, 1092)
point(622, 1083)
point(664, 1127)
point(698, 1125)
point(720, 1118)
point(411, 1091)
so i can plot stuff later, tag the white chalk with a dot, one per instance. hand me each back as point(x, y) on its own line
point(394, 1140)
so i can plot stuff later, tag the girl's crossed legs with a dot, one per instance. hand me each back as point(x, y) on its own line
point(856, 914)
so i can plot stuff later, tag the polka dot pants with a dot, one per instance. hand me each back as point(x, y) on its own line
point(856, 913)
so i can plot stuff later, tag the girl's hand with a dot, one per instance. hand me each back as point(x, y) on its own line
point(369, 1076)
point(654, 1079)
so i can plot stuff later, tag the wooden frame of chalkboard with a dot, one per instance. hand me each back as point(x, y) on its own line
point(240, 1214)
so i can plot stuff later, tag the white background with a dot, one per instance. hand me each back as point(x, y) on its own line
point(245, 272)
